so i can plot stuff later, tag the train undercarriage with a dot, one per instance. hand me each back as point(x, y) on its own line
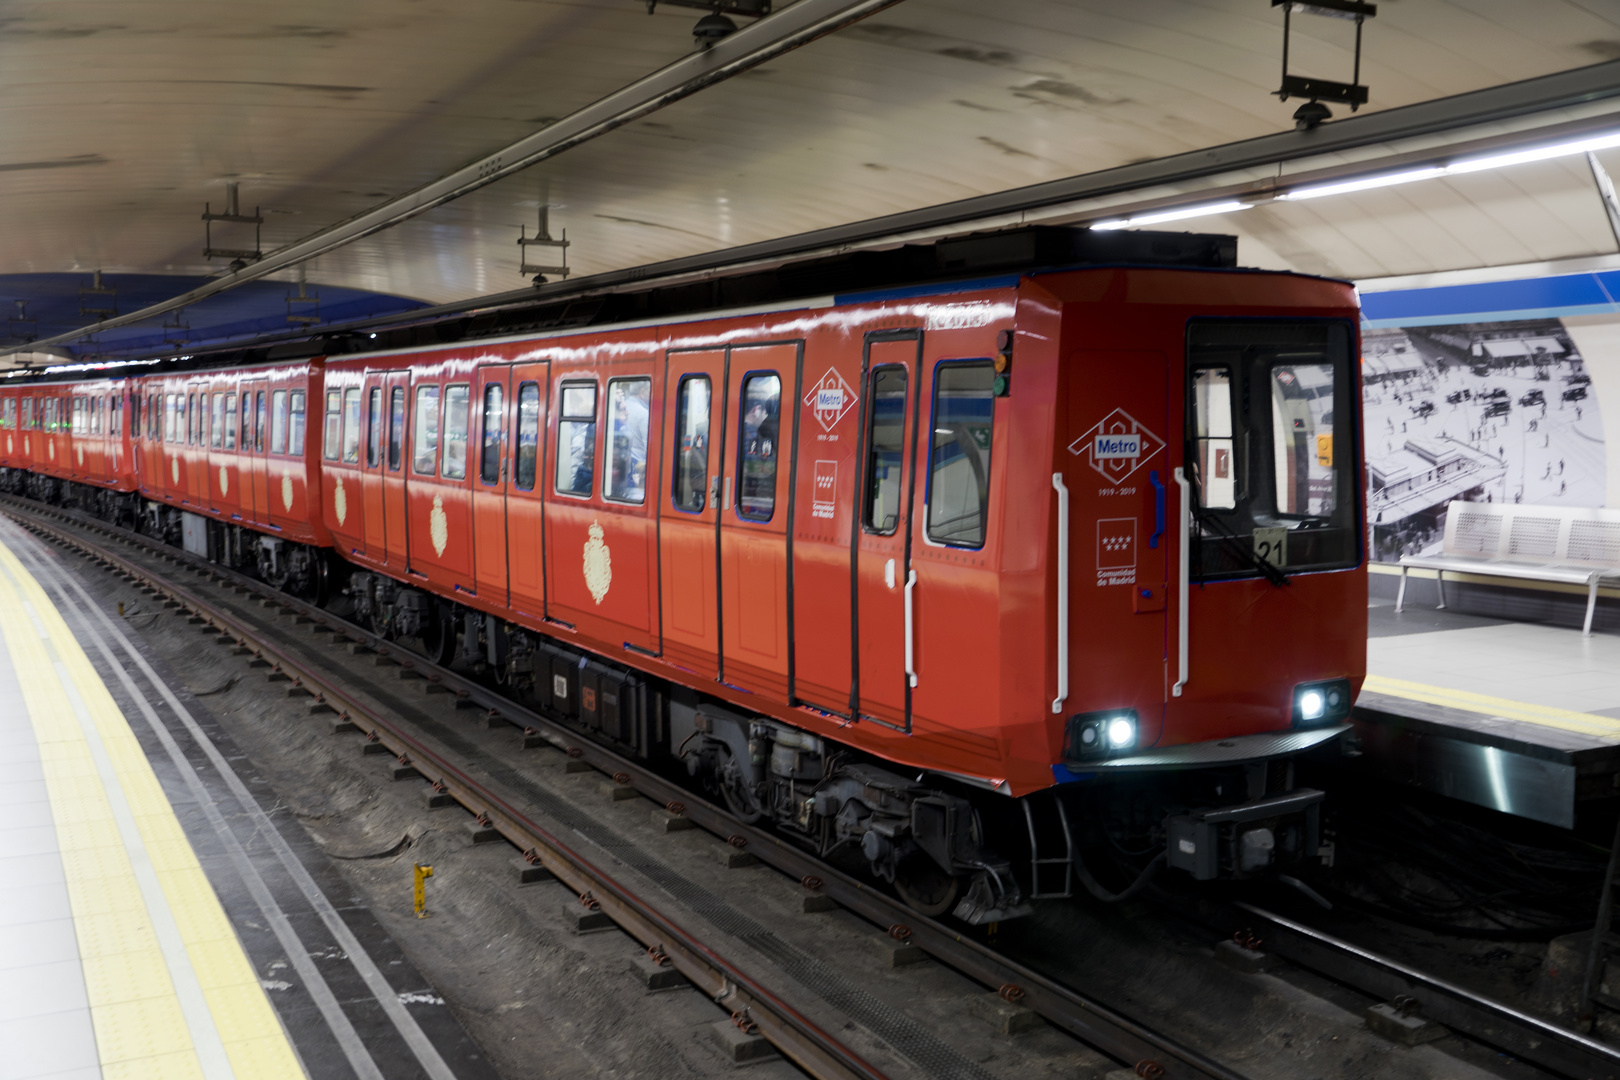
point(945, 847)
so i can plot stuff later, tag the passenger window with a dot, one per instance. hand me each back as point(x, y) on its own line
point(258, 422)
point(959, 459)
point(756, 453)
point(169, 414)
point(692, 443)
point(455, 432)
point(885, 453)
point(115, 417)
point(425, 451)
point(396, 428)
point(278, 421)
point(1216, 472)
point(527, 450)
point(8, 413)
point(188, 416)
point(230, 421)
point(351, 424)
point(295, 423)
point(374, 427)
point(628, 400)
point(489, 461)
point(576, 440)
point(216, 437)
point(333, 429)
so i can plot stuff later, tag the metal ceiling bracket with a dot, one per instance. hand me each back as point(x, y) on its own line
point(233, 215)
point(305, 316)
point(93, 306)
point(1351, 93)
point(541, 238)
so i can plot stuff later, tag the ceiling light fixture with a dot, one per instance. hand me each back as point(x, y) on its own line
point(1155, 218)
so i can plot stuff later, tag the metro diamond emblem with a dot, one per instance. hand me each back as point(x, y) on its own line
point(830, 398)
point(1117, 446)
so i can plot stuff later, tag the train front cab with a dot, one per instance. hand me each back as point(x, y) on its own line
point(1207, 448)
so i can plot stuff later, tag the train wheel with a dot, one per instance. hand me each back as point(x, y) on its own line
point(924, 886)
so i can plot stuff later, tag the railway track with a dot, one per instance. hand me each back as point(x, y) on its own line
point(756, 996)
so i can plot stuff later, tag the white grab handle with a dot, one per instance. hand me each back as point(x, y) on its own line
point(1183, 577)
point(1062, 593)
point(911, 661)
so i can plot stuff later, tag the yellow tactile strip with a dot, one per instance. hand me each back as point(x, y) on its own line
point(172, 994)
point(1545, 715)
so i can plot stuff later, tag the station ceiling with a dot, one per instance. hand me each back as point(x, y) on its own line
point(118, 122)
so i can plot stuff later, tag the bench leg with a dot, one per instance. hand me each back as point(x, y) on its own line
point(1591, 603)
point(1440, 583)
point(1400, 594)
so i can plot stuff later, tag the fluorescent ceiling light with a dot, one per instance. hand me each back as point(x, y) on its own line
point(1456, 168)
point(1170, 215)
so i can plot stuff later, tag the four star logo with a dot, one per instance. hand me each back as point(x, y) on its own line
point(1117, 445)
point(829, 399)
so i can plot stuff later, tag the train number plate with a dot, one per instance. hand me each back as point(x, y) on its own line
point(1272, 546)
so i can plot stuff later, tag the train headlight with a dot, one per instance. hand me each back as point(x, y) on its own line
point(1101, 734)
point(1121, 733)
point(1321, 702)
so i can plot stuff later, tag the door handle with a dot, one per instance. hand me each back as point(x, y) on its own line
point(911, 655)
point(1062, 592)
point(1158, 508)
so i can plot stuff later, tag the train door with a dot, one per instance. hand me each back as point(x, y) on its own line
point(884, 574)
point(198, 487)
point(373, 464)
point(527, 467)
point(396, 392)
point(222, 447)
point(689, 507)
point(755, 512)
point(492, 389)
point(1122, 498)
point(256, 478)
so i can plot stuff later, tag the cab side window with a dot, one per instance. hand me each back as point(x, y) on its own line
point(757, 446)
point(628, 401)
point(331, 431)
point(425, 450)
point(959, 456)
point(885, 449)
point(351, 425)
point(691, 443)
point(576, 440)
point(295, 422)
point(527, 448)
point(278, 421)
point(489, 461)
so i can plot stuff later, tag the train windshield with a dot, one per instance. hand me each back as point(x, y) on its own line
point(1271, 448)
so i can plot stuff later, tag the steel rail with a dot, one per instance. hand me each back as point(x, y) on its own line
point(723, 980)
point(1132, 1043)
point(790, 28)
point(1558, 1049)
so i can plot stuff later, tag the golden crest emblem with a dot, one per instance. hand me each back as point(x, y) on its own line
point(340, 501)
point(224, 480)
point(174, 468)
point(80, 449)
point(598, 564)
point(8, 444)
point(286, 491)
point(50, 449)
point(28, 445)
point(438, 525)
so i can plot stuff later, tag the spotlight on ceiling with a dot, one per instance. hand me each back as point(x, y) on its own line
point(711, 28)
point(1310, 114)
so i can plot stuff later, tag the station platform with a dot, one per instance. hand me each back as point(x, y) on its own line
point(1521, 717)
point(154, 920)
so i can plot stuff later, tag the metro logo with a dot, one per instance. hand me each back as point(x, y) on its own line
point(1117, 446)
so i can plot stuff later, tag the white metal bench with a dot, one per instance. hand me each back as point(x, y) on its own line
point(1537, 543)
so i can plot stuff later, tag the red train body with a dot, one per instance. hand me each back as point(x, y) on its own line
point(1067, 530)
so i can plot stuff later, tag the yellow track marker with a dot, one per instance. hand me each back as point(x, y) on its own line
point(1603, 727)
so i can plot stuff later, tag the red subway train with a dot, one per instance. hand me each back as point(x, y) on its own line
point(982, 581)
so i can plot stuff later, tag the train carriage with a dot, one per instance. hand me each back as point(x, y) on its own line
point(928, 571)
